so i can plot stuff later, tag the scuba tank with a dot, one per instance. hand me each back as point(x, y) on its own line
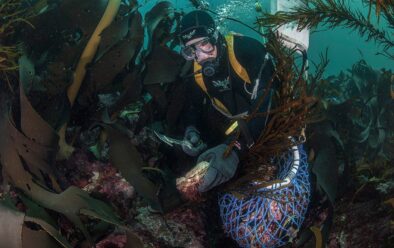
point(289, 34)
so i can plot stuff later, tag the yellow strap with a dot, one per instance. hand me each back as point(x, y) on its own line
point(198, 77)
point(238, 68)
point(231, 128)
point(220, 105)
point(200, 82)
point(318, 236)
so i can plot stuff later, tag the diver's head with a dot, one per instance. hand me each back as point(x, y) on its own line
point(200, 40)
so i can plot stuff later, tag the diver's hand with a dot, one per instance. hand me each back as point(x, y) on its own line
point(192, 144)
point(220, 169)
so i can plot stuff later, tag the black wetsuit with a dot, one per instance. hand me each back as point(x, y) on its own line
point(231, 90)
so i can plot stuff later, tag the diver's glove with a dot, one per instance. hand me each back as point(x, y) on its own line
point(220, 169)
point(192, 144)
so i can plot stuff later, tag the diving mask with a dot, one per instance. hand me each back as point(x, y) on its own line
point(204, 46)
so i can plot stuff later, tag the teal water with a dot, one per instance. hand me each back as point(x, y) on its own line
point(345, 47)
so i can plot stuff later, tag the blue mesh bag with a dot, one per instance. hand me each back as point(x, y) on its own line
point(272, 216)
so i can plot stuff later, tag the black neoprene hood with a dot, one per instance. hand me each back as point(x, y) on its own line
point(196, 24)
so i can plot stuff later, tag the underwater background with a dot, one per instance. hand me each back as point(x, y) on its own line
point(345, 46)
point(82, 165)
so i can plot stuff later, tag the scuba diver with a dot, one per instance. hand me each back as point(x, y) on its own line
point(233, 72)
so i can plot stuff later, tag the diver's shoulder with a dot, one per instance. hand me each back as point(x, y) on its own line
point(239, 37)
point(245, 46)
point(245, 38)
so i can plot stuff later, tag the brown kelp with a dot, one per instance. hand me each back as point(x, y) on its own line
point(146, 91)
point(334, 13)
point(89, 53)
point(379, 5)
point(357, 108)
point(350, 141)
point(291, 111)
point(47, 70)
point(27, 156)
point(12, 15)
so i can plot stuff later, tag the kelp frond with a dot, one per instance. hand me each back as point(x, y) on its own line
point(332, 13)
point(292, 105)
point(11, 13)
point(8, 57)
point(319, 71)
point(292, 110)
point(385, 5)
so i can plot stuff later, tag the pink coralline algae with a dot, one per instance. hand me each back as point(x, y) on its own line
point(183, 227)
point(114, 240)
point(95, 176)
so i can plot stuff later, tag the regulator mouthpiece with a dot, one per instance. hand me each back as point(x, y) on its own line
point(208, 68)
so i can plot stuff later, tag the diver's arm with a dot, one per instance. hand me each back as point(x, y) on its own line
point(192, 110)
point(259, 66)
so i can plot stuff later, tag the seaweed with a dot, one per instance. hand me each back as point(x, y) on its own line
point(347, 118)
point(336, 13)
point(293, 106)
point(349, 135)
point(351, 144)
point(44, 62)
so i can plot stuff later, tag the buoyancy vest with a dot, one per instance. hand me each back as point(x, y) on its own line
point(236, 66)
